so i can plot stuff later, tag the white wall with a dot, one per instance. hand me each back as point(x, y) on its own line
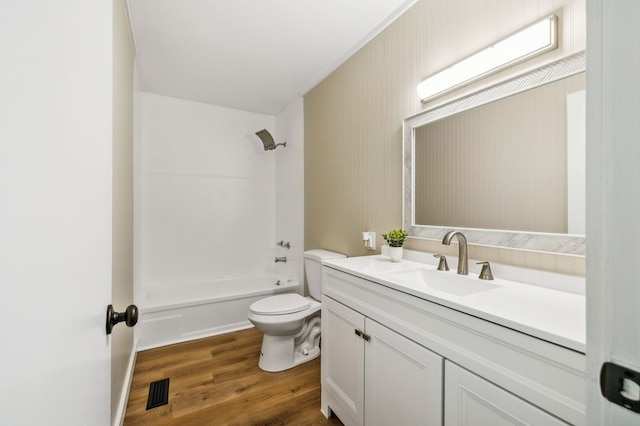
point(290, 188)
point(206, 202)
point(122, 345)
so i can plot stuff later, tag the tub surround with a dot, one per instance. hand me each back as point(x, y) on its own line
point(204, 188)
point(174, 314)
point(202, 173)
point(454, 345)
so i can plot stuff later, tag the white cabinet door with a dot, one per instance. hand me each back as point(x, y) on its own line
point(403, 380)
point(473, 401)
point(342, 362)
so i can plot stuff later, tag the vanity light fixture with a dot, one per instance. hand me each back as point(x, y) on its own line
point(532, 41)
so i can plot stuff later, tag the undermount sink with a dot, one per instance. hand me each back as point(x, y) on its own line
point(448, 282)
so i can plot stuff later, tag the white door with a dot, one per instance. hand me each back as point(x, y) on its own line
point(403, 380)
point(55, 211)
point(613, 202)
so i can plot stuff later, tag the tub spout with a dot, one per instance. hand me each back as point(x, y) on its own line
point(281, 259)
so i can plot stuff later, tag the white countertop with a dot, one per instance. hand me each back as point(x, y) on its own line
point(552, 315)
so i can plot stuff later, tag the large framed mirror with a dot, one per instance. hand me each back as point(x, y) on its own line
point(505, 165)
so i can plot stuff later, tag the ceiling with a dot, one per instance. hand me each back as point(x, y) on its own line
point(252, 55)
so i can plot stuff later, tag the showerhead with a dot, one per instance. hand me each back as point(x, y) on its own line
point(267, 140)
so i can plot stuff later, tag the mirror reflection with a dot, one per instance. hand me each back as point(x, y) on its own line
point(502, 165)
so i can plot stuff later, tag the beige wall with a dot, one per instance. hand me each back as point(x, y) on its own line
point(353, 119)
point(122, 255)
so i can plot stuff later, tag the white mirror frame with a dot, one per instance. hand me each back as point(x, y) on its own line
point(536, 241)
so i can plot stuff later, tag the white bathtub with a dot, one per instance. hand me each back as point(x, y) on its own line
point(176, 314)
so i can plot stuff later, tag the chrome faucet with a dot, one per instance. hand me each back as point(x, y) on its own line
point(281, 259)
point(463, 261)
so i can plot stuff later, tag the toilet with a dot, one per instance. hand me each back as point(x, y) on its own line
point(291, 322)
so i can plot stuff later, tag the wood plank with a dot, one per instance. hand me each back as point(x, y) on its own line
point(216, 381)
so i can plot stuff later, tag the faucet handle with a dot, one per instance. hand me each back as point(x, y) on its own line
point(442, 263)
point(485, 273)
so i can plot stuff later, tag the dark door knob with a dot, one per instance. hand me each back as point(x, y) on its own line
point(129, 316)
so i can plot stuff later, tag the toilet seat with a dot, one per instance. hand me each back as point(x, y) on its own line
point(281, 304)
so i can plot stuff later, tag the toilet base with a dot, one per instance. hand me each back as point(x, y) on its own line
point(279, 353)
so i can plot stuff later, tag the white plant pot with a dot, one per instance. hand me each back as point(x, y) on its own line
point(395, 253)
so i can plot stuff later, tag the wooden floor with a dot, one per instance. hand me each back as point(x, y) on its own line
point(216, 381)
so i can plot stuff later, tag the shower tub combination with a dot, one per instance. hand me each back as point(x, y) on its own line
point(176, 314)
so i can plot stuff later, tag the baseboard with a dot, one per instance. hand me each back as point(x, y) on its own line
point(200, 334)
point(118, 419)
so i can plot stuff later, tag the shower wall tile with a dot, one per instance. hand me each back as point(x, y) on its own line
point(197, 229)
point(206, 201)
point(185, 137)
point(289, 192)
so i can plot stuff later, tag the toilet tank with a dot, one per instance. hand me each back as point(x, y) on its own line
point(313, 270)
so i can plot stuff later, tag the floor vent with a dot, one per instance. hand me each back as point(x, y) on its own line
point(158, 394)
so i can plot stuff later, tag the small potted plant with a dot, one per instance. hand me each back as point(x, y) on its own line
point(395, 239)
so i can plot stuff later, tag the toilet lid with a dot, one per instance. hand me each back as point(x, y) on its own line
point(280, 304)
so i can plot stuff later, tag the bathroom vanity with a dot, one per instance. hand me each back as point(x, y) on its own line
point(405, 344)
